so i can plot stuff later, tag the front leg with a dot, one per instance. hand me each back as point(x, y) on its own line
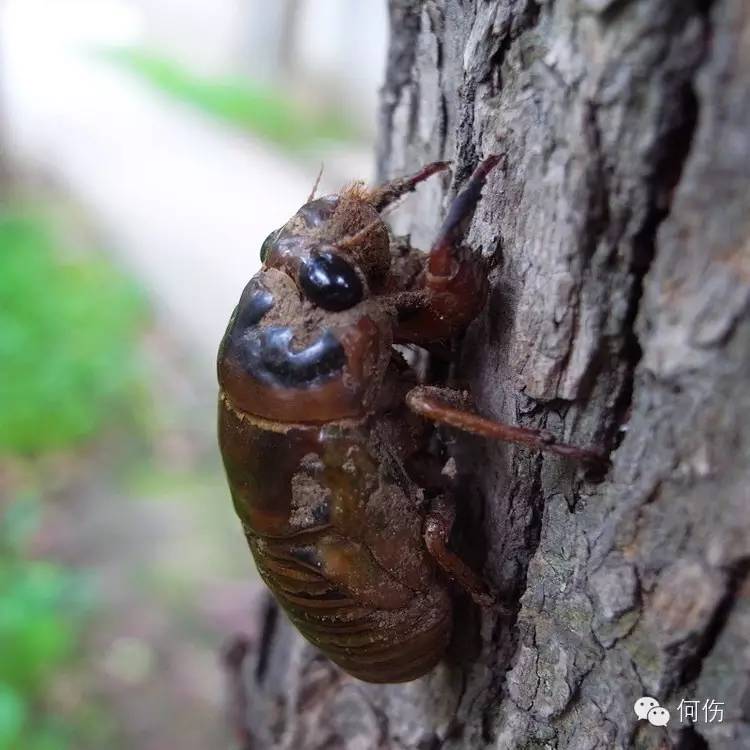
point(387, 194)
point(453, 283)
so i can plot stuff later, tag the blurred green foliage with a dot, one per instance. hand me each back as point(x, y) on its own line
point(41, 612)
point(67, 330)
point(238, 101)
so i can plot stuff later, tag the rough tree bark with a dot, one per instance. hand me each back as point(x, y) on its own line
point(617, 316)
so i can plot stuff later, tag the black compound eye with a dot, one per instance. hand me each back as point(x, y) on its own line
point(330, 282)
point(267, 244)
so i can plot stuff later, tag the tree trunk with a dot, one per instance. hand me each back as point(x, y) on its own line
point(617, 317)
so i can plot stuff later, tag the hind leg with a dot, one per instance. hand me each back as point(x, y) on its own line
point(437, 529)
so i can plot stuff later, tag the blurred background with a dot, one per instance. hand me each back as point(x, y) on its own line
point(147, 147)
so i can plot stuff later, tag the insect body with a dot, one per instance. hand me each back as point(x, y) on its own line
point(320, 420)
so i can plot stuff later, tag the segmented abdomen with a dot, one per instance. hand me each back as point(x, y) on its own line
point(323, 518)
point(375, 645)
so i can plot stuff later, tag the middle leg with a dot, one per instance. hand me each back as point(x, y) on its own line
point(448, 407)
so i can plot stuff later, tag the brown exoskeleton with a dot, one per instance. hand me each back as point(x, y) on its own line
point(319, 418)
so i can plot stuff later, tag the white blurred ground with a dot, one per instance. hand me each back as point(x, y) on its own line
point(184, 200)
